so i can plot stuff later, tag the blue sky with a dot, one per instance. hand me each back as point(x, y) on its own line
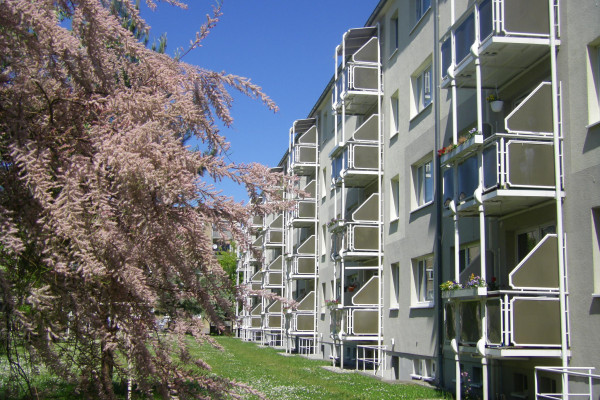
point(285, 46)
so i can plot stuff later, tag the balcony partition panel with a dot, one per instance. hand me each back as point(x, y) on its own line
point(305, 265)
point(367, 295)
point(539, 269)
point(361, 237)
point(525, 18)
point(305, 209)
point(519, 320)
point(362, 322)
point(304, 322)
point(368, 211)
point(533, 116)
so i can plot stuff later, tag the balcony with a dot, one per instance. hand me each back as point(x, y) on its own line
point(367, 132)
point(304, 266)
point(511, 36)
point(303, 154)
point(356, 241)
point(273, 279)
point(257, 221)
point(522, 320)
point(304, 213)
point(274, 316)
point(362, 317)
point(274, 234)
point(303, 320)
point(358, 237)
point(256, 281)
point(355, 164)
point(519, 324)
point(306, 248)
point(256, 317)
point(357, 80)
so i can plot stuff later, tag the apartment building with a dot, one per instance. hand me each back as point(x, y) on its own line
point(449, 225)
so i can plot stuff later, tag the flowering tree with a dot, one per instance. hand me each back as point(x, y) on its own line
point(105, 214)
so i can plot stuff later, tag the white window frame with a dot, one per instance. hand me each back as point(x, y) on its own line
point(394, 114)
point(423, 368)
point(421, 89)
point(420, 9)
point(419, 175)
point(323, 182)
point(395, 286)
point(423, 272)
point(596, 250)
point(593, 82)
point(395, 198)
point(323, 240)
point(394, 34)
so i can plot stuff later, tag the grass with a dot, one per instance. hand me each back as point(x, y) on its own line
point(276, 376)
point(296, 377)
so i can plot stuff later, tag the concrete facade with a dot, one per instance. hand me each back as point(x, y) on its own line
point(417, 179)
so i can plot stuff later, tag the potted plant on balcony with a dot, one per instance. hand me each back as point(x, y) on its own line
point(475, 286)
point(332, 304)
point(496, 103)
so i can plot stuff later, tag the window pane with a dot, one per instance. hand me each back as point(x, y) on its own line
point(485, 19)
point(429, 278)
point(468, 178)
point(428, 189)
point(448, 186)
point(446, 56)
point(426, 87)
point(464, 38)
point(419, 93)
point(525, 243)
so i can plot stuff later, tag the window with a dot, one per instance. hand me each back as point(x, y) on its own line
point(596, 249)
point(593, 82)
point(519, 383)
point(467, 255)
point(421, 89)
point(423, 280)
point(323, 182)
point(395, 289)
point(423, 368)
point(423, 183)
point(323, 240)
point(446, 56)
point(528, 239)
point(394, 198)
point(416, 368)
point(394, 115)
point(422, 7)
point(394, 39)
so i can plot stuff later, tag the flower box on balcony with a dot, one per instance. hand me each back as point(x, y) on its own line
point(469, 292)
point(463, 150)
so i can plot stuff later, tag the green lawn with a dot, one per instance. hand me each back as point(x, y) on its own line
point(276, 376)
point(295, 377)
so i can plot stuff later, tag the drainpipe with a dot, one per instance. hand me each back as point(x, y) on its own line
point(438, 194)
point(558, 197)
